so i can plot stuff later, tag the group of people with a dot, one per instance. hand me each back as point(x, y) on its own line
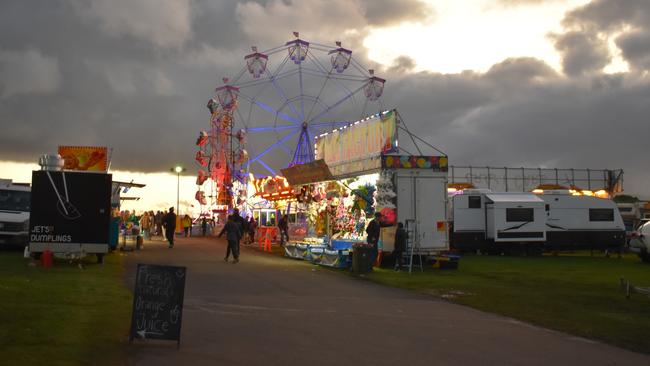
point(151, 224)
point(373, 232)
point(238, 228)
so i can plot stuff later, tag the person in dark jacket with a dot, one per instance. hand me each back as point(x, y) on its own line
point(283, 226)
point(400, 245)
point(170, 226)
point(252, 226)
point(374, 230)
point(239, 221)
point(233, 235)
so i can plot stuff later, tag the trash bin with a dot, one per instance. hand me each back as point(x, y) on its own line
point(139, 241)
point(362, 259)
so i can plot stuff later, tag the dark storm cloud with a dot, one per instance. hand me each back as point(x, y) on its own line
point(402, 64)
point(582, 52)
point(389, 12)
point(72, 72)
point(628, 20)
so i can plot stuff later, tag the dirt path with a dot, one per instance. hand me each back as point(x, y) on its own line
point(269, 310)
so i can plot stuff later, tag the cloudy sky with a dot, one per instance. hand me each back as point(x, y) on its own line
point(551, 83)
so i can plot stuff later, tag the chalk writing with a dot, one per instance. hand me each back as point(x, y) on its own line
point(158, 302)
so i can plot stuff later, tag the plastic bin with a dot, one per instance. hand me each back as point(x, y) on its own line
point(362, 259)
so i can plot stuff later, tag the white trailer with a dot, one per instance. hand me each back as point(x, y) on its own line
point(483, 220)
point(421, 207)
point(498, 221)
point(582, 222)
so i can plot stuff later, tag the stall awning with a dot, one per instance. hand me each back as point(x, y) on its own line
point(316, 171)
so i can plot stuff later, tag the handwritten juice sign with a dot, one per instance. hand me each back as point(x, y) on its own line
point(158, 302)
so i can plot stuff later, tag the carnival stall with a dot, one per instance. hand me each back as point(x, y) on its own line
point(360, 170)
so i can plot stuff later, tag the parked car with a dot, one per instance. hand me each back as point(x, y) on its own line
point(640, 242)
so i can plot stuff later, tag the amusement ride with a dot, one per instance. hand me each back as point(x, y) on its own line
point(268, 114)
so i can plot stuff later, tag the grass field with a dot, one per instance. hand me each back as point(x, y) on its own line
point(577, 294)
point(63, 315)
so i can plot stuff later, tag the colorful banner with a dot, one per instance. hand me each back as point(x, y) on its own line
point(362, 139)
point(84, 158)
point(437, 163)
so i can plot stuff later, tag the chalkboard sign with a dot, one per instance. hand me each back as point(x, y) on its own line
point(158, 302)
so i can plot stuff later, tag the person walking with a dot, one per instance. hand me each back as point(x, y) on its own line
point(145, 224)
point(169, 222)
point(283, 225)
point(233, 235)
point(187, 225)
point(400, 245)
point(204, 226)
point(374, 230)
point(239, 221)
point(252, 226)
point(158, 220)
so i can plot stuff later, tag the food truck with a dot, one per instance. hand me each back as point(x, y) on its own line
point(70, 209)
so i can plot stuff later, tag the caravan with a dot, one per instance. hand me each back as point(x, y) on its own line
point(582, 222)
point(497, 222)
point(554, 220)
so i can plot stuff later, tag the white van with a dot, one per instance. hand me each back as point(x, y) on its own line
point(14, 213)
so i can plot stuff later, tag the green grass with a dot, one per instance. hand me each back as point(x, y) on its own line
point(63, 315)
point(577, 294)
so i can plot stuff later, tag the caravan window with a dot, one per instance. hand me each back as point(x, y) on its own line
point(601, 214)
point(520, 214)
point(474, 201)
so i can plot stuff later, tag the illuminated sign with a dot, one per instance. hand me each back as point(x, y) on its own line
point(362, 139)
point(84, 158)
point(273, 188)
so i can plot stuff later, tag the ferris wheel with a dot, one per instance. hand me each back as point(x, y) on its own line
point(289, 94)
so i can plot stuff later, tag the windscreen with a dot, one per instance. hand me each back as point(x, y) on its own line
point(14, 200)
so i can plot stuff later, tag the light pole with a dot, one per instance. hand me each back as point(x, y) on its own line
point(178, 169)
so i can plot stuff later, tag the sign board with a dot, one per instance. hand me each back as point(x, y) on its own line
point(362, 139)
point(84, 158)
point(435, 163)
point(315, 171)
point(356, 167)
point(158, 302)
point(70, 210)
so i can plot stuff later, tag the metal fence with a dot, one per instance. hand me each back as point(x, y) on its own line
point(503, 179)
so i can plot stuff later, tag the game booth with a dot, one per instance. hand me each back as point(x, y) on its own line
point(359, 170)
